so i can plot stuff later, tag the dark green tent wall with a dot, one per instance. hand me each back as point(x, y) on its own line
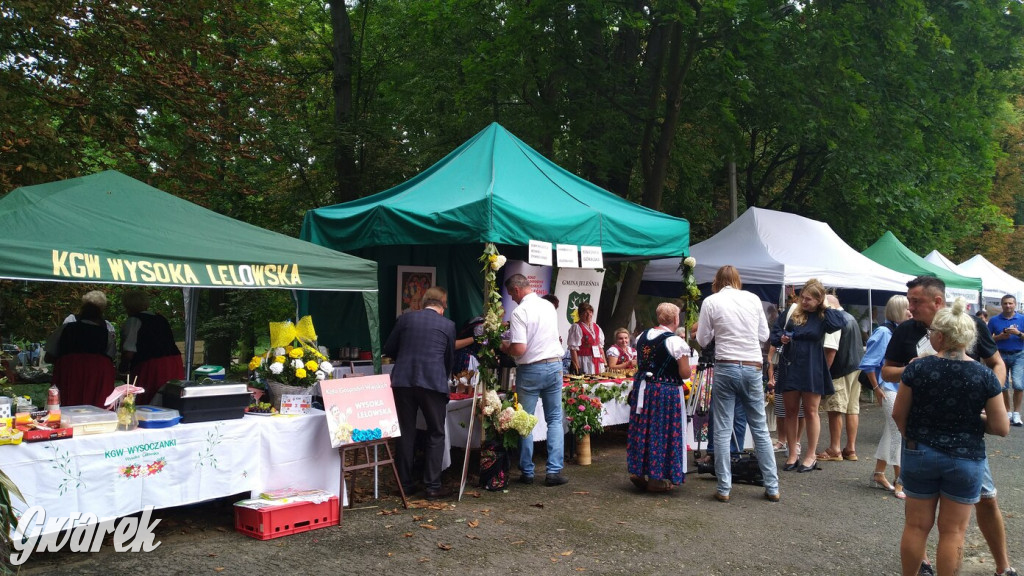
point(493, 188)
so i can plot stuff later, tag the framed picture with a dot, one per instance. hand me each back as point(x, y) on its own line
point(413, 282)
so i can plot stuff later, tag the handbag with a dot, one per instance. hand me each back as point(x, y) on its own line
point(776, 354)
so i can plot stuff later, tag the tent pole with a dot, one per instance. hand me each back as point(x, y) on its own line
point(191, 308)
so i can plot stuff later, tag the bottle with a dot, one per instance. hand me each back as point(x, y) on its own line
point(53, 399)
point(53, 405)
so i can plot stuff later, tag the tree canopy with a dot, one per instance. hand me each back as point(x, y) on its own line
point(872, 116)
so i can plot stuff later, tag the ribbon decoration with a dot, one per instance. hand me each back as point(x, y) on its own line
point(284, 333)
point(122, 391)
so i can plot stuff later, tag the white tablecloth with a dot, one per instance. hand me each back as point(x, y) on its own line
point(119, 473)
point(615, 412)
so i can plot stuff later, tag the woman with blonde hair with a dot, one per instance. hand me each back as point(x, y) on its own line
point(888, 452)
point(804, 376)
point(938, 409)
point(656, 445)
point(621, 356)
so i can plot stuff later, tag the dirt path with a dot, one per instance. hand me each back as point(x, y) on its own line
point(829, 522)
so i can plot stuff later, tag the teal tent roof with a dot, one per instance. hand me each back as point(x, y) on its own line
point(495, 188)
point(890, 252)
point(110, 228)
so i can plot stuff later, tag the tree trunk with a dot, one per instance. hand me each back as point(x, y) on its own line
point(341, 85)
point(218, 346)
point(627, 294)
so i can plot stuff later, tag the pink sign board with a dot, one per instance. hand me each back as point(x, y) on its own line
point(359, 409)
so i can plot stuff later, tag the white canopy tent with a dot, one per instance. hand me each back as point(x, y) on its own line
point(937, 258)
point(778, 248)
point(996, 282)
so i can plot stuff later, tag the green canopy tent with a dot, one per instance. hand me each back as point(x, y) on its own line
point(890, 252)
point(493, 188)
point(110, 228)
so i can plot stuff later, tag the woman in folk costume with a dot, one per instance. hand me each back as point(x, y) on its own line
point(586, 343)
point(148, 350)
point(656, 446)
point(82, 352)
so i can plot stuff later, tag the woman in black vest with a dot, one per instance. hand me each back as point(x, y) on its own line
point(82, 353)
point(148, 350)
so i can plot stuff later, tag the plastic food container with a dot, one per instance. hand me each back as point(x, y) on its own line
point(209, 371)
point(87, 419)
point(156, 416)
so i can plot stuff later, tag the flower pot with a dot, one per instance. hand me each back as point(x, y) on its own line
point(277, 389)
point(583, 450)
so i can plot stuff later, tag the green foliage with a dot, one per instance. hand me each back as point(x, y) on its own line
point(871, 116)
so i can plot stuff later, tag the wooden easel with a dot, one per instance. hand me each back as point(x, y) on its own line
point(365, 447)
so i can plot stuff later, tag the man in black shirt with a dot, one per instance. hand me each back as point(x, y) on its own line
point(927, 295)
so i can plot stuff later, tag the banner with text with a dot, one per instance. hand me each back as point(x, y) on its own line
point(573, 286)
point(539, 277)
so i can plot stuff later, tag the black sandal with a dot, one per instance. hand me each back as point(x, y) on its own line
point(812, 466)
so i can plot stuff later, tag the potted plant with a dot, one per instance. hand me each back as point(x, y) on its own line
point(290, 370)
point(583, 418)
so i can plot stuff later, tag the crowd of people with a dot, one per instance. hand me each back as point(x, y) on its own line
point(938, 373)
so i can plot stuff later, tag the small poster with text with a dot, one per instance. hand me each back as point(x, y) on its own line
point(359, 409)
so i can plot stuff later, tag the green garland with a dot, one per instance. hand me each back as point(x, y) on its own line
point(691, 293)
point(494, 314)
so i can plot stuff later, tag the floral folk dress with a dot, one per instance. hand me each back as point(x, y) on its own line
point(656, 446)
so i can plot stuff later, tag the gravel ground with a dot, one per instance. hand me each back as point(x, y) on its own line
point(829, 522)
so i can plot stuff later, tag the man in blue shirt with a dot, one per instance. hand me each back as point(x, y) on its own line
point(1008, 331)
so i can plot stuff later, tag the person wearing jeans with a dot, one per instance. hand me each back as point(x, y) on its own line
point(1008, 331)
point(542, 381)
point(533, 342)
point(741, 384)
point(735, 320)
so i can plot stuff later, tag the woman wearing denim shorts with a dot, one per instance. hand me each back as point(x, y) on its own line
point(938, 409)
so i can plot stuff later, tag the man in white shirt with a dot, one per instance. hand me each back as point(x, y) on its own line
point(735, 320)
point(534, 344)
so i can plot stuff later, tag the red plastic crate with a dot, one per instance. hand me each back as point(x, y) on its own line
point(277, 521)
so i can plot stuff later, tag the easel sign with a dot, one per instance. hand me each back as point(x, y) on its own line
point(359, 409)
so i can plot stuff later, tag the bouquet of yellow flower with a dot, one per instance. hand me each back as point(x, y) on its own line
point(292, 365)
point(582, 411)
point(504, 421)
point(293, 358)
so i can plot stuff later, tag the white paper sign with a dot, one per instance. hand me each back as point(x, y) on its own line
point(591, 257)
point(568, 256)
point(296, 403)
point(540, 253)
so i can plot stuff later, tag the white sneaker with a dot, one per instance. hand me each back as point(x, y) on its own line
point(1015, 419)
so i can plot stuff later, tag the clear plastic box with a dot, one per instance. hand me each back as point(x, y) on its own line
point(87, 419)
